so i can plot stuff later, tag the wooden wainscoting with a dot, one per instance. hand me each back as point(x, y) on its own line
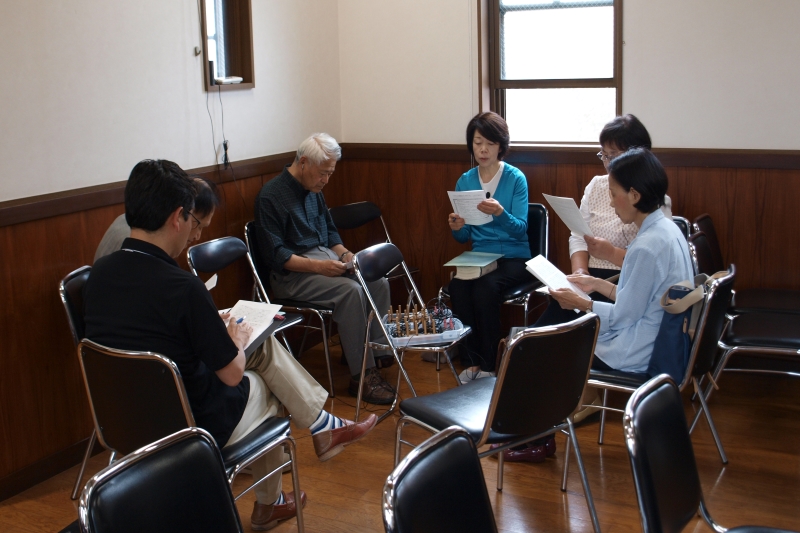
point(44, 415)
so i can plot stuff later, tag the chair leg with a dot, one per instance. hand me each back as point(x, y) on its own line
point(86, 457)
point(603, 417)
point(711, 426)
point(296, 485)
point(500, 464)
point(111, 459)
point(331, 391)
point(453, 370)
point(401, 423)
point(566, 465)
point(697, 391)
point(584, 480)
point(286, 344)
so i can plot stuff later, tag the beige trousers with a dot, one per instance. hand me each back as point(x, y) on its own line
point(276, 379)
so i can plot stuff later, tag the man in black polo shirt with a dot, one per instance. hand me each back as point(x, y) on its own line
point(139, 299)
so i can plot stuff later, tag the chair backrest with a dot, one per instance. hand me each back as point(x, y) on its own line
point(706, 225)
point(71, 291)
point(214, 255)
point(355, 215)
point(439, 487)
point(662, 457)
point(176, 484)
point(541, 377)
point(135, 397)
point(373, 263)
point(538, 222)
point(710, 324)
point(702, 257)
point(683, 224)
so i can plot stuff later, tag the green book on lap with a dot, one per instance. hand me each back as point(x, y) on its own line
point(472, 265)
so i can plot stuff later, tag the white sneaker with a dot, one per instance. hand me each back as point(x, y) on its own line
point(466, 376)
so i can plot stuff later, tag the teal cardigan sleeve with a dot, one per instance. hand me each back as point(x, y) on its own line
point(514, 218)
point(464, 234)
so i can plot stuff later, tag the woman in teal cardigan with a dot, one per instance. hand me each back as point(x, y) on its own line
point(477, 302)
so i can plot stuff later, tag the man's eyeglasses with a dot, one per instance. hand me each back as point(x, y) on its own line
point(196, 220)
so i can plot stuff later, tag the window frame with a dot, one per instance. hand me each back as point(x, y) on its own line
point(240, 28)
point(497, 86)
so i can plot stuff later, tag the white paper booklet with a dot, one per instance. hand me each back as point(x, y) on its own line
point(568, 211)
point(465, 205)
point(547, 273)
point(259, 315)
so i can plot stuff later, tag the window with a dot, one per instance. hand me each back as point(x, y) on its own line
point(228, 46)
point(556, 68)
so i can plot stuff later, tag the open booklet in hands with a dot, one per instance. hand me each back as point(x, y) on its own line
point(257, 315)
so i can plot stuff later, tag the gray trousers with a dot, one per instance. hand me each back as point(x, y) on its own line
point(345, 295)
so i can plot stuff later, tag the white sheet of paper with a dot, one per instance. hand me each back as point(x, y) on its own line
point(465, 205)
point(212, 282)
point(568, 211)
point(547, 273)
point(258, 314)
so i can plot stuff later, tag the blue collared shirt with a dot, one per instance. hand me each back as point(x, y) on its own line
point(656, 259)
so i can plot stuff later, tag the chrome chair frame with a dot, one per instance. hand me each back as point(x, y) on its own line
point(77, 335)
point(124, 463)
point(688, 378)
point(683, 224)
point(389, 489)
point(321, 313)
point(566, 427)
point(170, 366)
point(397, 352)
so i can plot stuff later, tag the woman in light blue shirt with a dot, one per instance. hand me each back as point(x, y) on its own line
point(477, 302)
point(657, 258)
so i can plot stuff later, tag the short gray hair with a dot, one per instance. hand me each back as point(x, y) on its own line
point(318, 148)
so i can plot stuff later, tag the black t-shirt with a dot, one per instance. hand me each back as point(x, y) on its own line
point(140, 299)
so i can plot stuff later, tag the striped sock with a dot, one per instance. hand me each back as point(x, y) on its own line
point(281, 500)
point(325, 422)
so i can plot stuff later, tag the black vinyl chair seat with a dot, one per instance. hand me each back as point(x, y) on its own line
point(617, 377)
point(770, 330)
point(765, 300)
point(269, 430)
point(523, 289)
point(465, 406)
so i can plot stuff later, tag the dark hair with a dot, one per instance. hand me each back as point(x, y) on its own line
point(639, 169)
point(207, 199)
point(493, 127)
point(625, 132)
point(155, 189)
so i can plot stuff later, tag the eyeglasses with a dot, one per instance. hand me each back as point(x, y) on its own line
point(602, 156)
point(196, 220)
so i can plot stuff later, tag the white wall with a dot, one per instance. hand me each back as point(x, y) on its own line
point(89, 87)
point(714, 73)
point(408, 70)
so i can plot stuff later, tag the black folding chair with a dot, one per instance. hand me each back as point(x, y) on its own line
point(372, 264)
point(446, 463)
point(663, 462)
point(538, 389)
point(683, 224)
point(751, 300)
point(710, 326)
point(322, 313)
point(71, 292)
point(175, 484)
point(358, 214)
point(138, 397)
point(521, 294)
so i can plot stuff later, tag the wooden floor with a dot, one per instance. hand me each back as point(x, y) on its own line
point(758, 419)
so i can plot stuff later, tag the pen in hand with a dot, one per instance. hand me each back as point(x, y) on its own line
point(240, 320)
